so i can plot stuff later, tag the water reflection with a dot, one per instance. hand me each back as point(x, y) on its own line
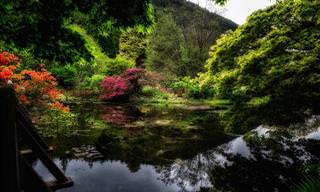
point(253, 162)
point(258, 161)
point(150, 149)
point(111, 176)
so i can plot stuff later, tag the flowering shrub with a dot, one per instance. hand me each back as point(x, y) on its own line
point(133, 74)
point(8, 63)
point(120, 87)
point(114, 87)
point(7, 58)
point(32, 87)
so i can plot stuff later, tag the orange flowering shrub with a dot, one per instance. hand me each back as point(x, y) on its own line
point(60, 106)
point(32, 87)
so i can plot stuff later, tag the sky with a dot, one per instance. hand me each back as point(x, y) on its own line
point(236, 10)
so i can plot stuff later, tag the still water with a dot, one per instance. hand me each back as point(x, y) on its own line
point(172, 149)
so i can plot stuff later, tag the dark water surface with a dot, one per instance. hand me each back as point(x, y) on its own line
point(171, 149)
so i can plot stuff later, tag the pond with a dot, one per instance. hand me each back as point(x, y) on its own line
point(178, 148)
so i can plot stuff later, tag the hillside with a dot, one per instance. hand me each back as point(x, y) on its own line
point(190, 29)
point(188, 15)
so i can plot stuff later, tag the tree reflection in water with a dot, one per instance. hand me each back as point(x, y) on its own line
point(155, 149)
point(261, 160)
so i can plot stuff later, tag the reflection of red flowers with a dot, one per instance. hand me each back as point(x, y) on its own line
point(115, 115)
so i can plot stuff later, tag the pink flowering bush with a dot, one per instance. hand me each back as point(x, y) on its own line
point(114, 87)
point(133, 74)
point(121, 87)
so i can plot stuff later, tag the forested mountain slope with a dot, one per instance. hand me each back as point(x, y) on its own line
point(182, 36)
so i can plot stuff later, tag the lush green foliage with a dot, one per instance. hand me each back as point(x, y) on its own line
point(94, 82)
point(182, 36)
point(154, 92)
point(309, 185)
point(117, 66)
point(311, 182)
point(191, 88)
point(40, 25)
point(166, 50)
point(106, 18)
point(65, 75)
point(271, 62)
point(133, 43)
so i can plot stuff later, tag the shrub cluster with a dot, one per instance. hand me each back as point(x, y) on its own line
point(119, 87)
point(191, 88)
point(65, 75)
point(33, 87)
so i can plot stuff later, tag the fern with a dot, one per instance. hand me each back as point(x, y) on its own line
point(308, 185)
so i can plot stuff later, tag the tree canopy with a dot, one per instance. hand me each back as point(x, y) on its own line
point(41, 23)
point(272, 61)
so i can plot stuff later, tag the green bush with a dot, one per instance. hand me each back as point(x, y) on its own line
point(191, 88)
point(132, 43)
point(117, 66)
point(154, 92)
point(65, 75)
point(93, 82)
point(148, 91)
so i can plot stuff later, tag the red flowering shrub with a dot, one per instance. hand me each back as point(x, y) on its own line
point(7, 58)
point(6, 73)
point(121, 87)
point(133, 74)
point(114, 87)
point(32, 87)
point(8, 64)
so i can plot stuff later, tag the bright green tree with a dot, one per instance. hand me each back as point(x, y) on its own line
point(272, 62)
point(133, 43)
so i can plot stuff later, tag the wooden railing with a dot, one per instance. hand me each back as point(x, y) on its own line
point(17, 130)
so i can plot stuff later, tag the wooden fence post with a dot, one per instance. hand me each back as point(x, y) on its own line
point(10, 160)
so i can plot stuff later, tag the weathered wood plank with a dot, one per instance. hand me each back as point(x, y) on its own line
point(41, 153)
point(10, 161)
point(22, 114)
point(17, 173)
point(32, 182)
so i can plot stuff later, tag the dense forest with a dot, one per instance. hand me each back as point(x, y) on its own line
point(174, 86)
point(184, 53)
